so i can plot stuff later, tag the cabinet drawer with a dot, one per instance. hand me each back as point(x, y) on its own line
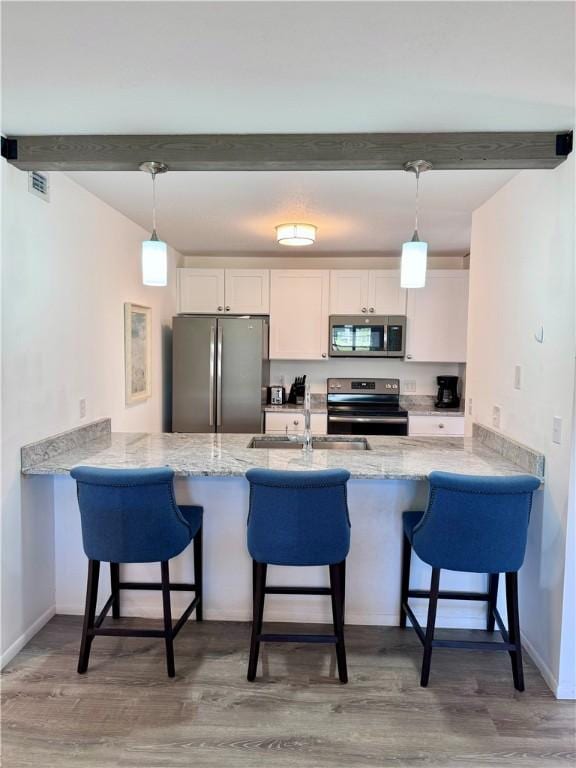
point(435, 425)
point(293, 423)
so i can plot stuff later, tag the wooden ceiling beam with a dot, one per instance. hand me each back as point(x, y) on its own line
point(290, 152)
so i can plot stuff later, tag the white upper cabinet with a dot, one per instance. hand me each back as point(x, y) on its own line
point(349, 291)
point(247, 291)
point(362, 291)
point(299, 308)
point(385, 297)
point(200, 290)
point(437, 318)
point(215, 291)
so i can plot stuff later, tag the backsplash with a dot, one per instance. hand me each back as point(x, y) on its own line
point(422, 375)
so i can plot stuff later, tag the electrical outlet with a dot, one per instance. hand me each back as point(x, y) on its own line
point(496, 416)
point(557, 430)
point(469, 406)
point(518, 377)
point(82, 408)
point(409, 385)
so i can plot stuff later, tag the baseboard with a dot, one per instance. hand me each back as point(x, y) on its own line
point(26, 636)
point(561, 691)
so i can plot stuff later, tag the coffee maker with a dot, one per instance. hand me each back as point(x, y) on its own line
point(447, 392)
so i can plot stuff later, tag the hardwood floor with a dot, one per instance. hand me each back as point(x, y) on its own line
point(125, 712)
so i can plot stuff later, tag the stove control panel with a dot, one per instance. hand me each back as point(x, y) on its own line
point(372, 386)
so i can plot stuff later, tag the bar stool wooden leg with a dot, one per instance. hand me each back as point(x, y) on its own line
point(429, 637)
point(343, 564)
point(89, 614)
point(514, 629)
point(258, 587)
point(493, 579)
point(405, 581)
point(198, 575)
point(168, 637)
point(114, 583)
point(337, 576)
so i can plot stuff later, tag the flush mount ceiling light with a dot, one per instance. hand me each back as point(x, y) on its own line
point(415, 252)
point(154, 251)
point(296, 234)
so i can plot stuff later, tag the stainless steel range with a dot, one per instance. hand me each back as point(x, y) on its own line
point(365, 407)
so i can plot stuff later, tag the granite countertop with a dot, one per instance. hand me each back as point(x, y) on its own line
point(423, 411)
point(416, 405)
point(294, 408)
point(425, 405)
point(222, 455)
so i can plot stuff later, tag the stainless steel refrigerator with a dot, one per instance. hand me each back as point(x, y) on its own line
point(220, 372)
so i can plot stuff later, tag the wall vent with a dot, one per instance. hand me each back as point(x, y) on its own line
point(39, 184)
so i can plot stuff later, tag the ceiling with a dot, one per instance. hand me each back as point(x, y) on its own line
point(354, 210)
point(225, 67)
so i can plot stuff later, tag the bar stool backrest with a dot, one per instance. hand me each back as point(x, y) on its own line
point(130, 515)
point(475, 524)
point(298, 518)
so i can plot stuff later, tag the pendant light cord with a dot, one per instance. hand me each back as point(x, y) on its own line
point(417, 201)
point(153, 204)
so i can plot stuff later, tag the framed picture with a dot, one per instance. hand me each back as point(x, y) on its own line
point(137, 352)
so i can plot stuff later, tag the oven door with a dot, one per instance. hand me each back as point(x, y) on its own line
point(356, 424)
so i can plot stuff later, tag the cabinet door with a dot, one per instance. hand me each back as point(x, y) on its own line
point(436, 425)
point(200, 291)
point(247, 291)
point(385, 297)
point(292, 423)
point(284, 423)
point(348, 291)
point(438, 317)
point(299, 301)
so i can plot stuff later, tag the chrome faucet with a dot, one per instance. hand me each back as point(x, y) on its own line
point(307, 444)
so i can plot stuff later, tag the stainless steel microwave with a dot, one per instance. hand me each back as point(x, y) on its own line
point(372, 336)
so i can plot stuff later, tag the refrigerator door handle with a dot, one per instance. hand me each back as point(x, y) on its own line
point(219, 379)
point(211, 388)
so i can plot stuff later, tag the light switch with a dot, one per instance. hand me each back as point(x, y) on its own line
point(518, 377)
point(409, 385)
point(82, 408)
point(557, 430)
point(469, 406)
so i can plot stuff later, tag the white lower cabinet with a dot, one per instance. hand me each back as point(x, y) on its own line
point(435, 425)
point(277, 423)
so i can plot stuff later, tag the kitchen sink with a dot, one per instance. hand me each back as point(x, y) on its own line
point(341, 444)
point(318, 443)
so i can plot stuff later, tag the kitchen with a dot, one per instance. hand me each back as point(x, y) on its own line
point(493, 321)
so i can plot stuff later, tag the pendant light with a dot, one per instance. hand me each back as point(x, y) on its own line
point(154, 251)
point(415, 252)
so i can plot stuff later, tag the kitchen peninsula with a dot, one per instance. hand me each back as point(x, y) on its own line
point(387, 479)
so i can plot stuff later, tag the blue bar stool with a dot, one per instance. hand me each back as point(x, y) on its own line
point(475, 525)
point(131, 516)
point(298, 519)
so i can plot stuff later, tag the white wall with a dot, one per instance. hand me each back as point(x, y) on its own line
point(521, 278)
point(68, 267)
